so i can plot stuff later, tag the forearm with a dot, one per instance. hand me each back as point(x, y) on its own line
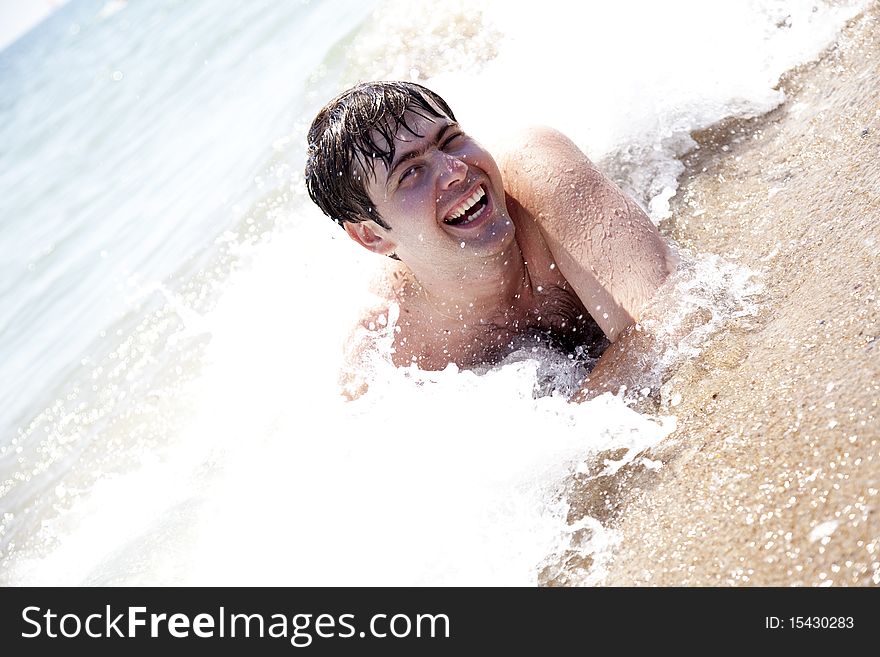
point(621, 367)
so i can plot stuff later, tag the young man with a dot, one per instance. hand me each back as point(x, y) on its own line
point(486, 251)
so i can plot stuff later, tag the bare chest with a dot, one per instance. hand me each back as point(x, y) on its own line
point(553, 315)
point(546, 310)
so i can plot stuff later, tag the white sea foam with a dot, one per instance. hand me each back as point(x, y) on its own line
point(629, 81)
point(211, 445)
point(275, 479)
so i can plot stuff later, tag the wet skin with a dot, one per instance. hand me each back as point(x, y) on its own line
point(486, 257)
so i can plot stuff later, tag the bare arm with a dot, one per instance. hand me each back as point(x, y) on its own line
point(369, 336)
point(603, 243)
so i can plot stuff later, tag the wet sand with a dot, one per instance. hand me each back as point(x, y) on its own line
point(772, 475)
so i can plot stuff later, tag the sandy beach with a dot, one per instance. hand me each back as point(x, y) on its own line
point(772, 476)
point(174, 306)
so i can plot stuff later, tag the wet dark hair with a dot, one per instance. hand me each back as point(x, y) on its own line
point(350, 133)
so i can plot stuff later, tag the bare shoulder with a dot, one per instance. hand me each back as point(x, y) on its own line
point(531, 147)
point(558, 186)
point(602, 241)
point(539, 161)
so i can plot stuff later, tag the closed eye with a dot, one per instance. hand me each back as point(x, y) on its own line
point(450, 139)
point(409, 171)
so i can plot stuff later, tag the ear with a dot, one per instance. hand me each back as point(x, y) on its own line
point(371, 236)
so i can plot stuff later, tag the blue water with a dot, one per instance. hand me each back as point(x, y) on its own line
point(130, 144)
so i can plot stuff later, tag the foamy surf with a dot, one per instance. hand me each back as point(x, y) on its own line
point(203, 439)
point(268, 476)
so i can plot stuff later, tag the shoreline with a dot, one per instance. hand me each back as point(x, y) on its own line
point(772, 476)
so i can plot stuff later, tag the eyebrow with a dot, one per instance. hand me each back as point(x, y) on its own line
point(421, 150)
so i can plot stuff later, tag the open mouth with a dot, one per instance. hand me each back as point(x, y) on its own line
point(468, 210)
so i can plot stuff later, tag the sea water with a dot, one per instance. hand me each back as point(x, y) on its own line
point(173, 309)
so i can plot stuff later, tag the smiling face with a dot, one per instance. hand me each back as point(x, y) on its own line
point(442, 197)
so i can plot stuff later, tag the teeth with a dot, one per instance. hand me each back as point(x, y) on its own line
point(473, 218)
point(468, 203)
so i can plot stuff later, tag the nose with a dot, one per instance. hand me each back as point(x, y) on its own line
point(453, 171)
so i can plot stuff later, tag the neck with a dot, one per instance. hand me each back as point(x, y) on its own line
point(478, 290)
